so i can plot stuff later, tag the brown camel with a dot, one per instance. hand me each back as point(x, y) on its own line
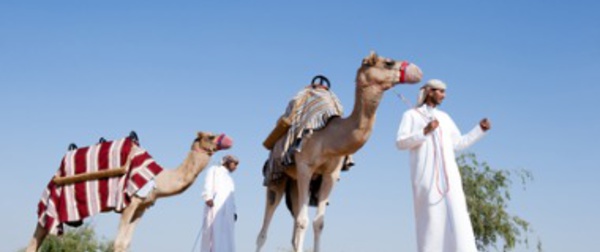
point(323, 151)
point(167, 183)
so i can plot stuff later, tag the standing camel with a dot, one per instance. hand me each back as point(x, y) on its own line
point(167, 183)
point(323, 151)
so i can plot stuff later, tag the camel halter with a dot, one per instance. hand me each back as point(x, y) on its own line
point(220, 143)
point(403, 67)
point(401, 74)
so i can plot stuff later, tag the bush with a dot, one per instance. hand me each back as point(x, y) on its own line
point(82, 239)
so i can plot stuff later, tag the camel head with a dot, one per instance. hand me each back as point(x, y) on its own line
point(211, 143)
point(386, 73)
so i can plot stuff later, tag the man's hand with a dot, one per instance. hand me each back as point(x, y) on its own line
point(210, 203)
point(431, 126)
point(485, 124)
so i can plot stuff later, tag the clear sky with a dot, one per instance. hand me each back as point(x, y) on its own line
point(74, 71)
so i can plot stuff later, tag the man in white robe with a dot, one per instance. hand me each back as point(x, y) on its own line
point(442, 219)
point(218, 233)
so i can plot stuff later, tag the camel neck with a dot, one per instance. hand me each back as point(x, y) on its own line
point(351, 133)
point(181, 178)
point(192, 166)
point(367, 99)
point(175, 181)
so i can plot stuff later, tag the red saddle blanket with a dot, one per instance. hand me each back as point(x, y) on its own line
point(76, 201)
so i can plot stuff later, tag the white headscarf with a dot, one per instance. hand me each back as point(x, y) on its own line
point(433, 83)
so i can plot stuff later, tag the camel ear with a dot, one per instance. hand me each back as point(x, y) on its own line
point(371, 59)
point(201, 135)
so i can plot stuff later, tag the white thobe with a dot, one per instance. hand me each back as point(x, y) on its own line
point(442, 219)
point(218, 227)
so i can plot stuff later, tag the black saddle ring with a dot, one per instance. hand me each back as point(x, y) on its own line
point(322, 80)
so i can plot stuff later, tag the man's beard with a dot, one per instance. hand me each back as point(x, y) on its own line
point(433, 101)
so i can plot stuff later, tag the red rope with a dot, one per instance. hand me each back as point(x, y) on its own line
point(441, 136)
point(437, 168)
point(436, 155)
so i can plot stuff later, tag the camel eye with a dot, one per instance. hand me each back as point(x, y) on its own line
point(389, 63)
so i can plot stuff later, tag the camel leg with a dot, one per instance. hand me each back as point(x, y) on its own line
point(129, 218)
point(302, 218)
point(38, 237)
point(294, 205)
point(274, 195)
point(319, 221)
point(136, 220)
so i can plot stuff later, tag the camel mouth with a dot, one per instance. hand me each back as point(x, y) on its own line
point(224, 142)
point(410, 73)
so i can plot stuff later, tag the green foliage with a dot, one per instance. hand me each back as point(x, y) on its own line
point(487, 193)
point(82, 239)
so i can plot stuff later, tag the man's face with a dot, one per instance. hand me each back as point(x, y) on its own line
point(436, 96)
point(231, 166)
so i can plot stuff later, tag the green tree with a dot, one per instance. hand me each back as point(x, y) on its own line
point(82, 239)
point(488, 192)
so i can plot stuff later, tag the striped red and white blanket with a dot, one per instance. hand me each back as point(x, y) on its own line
point(73, 202)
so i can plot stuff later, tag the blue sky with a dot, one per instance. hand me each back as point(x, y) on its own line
point(75, 71)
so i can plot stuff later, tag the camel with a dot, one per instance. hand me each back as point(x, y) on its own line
point(167, 183)
point(323, 151)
